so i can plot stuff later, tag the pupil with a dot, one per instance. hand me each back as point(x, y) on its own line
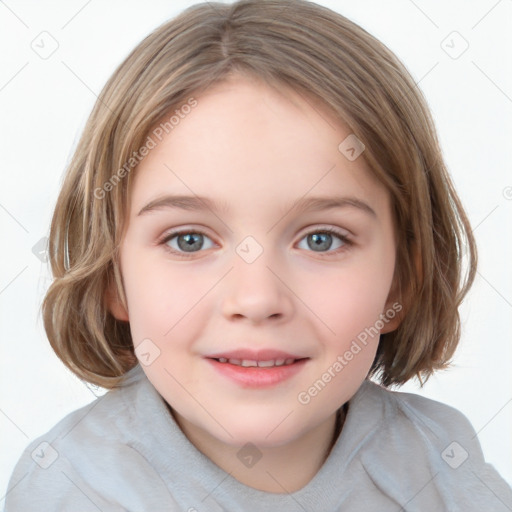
point(321, 240)
point(191, 241)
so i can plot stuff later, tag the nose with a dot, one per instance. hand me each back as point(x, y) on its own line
point(257, 292)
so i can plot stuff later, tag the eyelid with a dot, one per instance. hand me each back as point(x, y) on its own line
point(344, 235)
point(313, 228)
point(303, 232)
point(169, 235)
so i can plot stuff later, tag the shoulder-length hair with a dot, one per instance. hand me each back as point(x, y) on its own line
point(289, 44)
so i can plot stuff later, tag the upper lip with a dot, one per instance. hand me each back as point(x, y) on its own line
point(255, 355)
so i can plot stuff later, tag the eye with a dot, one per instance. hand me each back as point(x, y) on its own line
point(185, 242)
point(321, 241)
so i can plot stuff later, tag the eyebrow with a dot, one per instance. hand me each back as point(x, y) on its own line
point(200, 203)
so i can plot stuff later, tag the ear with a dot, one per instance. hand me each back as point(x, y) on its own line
point(394, 313)
point(114, 304)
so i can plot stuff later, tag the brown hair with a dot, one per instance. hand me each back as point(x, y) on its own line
point(286, 43)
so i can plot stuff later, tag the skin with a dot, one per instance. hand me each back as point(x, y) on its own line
point(256, 150)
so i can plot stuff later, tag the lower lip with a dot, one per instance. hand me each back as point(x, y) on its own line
point(256, 377)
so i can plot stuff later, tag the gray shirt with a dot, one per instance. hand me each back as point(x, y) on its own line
point(124, 452)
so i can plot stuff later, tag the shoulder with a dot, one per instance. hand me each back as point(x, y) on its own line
point(413, 421)
point(422, 417)
point(427, 443)
point(66, 467)
point(106, 417)
point(436, 420)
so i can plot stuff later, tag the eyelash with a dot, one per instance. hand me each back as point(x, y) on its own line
point(169, 236)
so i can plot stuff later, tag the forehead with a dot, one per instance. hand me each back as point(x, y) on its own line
point(247, 145)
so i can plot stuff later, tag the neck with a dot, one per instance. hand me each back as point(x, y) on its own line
point(282, 469)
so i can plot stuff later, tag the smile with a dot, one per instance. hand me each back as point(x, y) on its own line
point(251, 373)
point(246, 363)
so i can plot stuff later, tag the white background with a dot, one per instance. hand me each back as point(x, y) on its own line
point(44, 104)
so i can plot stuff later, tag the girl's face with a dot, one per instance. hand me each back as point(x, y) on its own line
point(250, 279)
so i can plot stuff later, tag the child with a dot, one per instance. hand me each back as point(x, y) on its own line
point(191, 280)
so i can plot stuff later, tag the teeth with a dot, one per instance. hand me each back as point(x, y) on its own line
point(246, 363)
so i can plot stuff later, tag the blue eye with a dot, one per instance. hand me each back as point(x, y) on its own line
point(186, 243)
point(323, 240)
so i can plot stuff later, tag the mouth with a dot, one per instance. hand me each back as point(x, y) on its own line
point(257, 369)
point(252, 363)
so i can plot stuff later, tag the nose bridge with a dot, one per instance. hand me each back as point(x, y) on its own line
point(253, 289)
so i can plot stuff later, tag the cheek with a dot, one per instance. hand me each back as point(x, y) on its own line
point(351, 299)
point(162, 303)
